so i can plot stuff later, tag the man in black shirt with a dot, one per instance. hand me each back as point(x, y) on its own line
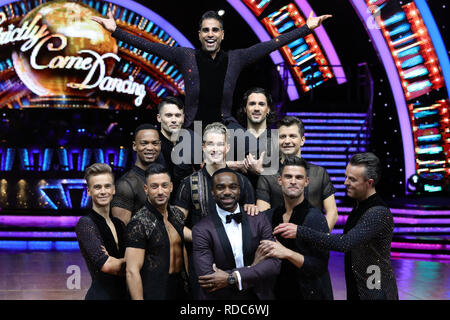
point(253, 145)
point(171, 117)
point(367, 234)
point(210, 74)
point(320, 191)
point(154, 254)
point(130, 195)
point(304, 269)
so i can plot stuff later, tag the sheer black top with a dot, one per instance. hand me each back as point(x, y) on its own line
point(92, 233)
point(130, 194)
point(319, 188)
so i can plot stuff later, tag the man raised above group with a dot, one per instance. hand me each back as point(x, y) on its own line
point(210, 74)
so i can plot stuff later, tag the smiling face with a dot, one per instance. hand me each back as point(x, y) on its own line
point(289, 140)
point(358, 187)
point(101, 189)
point(215, 148)
point(171, 119)
point(211, 35)
point(293, 181)
point(147, 146)
point(158, 189)
point(226, 191)
point(257, 108)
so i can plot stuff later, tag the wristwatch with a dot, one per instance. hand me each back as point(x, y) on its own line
point(231, 279)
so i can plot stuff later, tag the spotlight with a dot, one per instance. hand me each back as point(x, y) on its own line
point(221, 12)
point(415, 183)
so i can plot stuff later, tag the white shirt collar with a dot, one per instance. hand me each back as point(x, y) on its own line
point(223, 213)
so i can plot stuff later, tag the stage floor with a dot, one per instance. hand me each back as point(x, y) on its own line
point(43, 276)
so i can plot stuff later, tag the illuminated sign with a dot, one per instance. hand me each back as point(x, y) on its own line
point(415, 60)
point(54, 55)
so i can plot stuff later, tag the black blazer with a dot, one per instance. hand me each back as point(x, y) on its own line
point(211, 245)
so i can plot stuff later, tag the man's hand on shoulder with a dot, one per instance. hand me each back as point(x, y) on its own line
point(251, 209)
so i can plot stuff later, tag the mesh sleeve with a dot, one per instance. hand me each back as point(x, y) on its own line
point(90, 242)
point(124, 197)
point(247, 192)
point(263, 189)
point(327, 187)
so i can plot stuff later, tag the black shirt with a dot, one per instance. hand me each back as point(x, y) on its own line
point(92, 233)
point(244, 142)
point(212, 76)
point(177, 171)
point(311, 281)
point(146, 230)
point(130, 194)
point(352, 220)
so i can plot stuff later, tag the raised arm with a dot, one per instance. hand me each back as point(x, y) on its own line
point(109, 23)
point(259, 50)
point(171, 54)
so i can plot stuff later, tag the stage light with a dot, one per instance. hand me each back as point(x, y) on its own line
point(221, 12)
point(415, 184)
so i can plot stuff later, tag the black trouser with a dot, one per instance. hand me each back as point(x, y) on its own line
point(175, 287)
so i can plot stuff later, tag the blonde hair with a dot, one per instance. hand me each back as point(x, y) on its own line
point(216, 127)
point(97, 169)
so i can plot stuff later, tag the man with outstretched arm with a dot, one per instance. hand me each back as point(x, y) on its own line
point(210, 73)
